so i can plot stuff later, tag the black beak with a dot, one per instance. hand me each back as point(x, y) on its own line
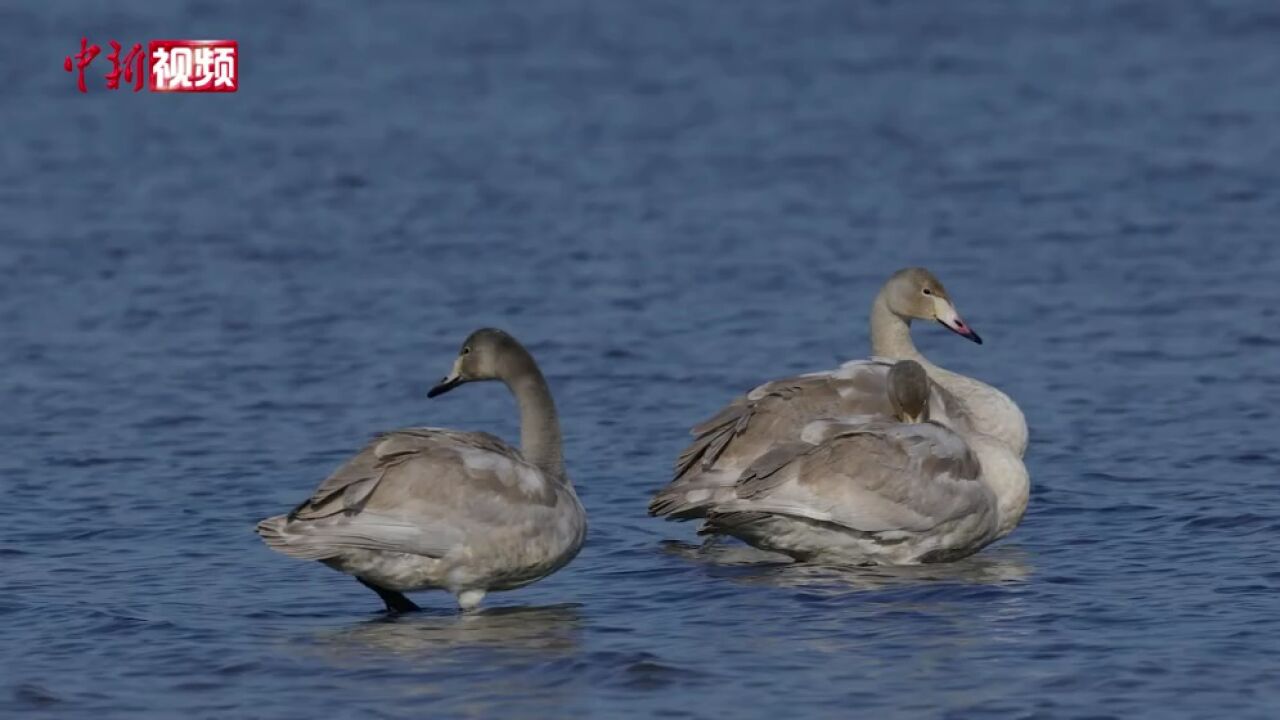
point(444, 386)
point(963, 331)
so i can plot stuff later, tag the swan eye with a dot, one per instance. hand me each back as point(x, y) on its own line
point(466, 351)
point(927, 291)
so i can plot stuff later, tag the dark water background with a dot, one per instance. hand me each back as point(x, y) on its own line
point(209, 301)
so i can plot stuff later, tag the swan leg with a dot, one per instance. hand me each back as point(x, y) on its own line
point(396, 602)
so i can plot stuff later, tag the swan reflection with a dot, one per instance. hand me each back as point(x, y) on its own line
point(749, 566)
point(553, 629)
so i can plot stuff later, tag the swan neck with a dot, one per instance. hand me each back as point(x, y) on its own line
point(891, 338)
point(993, 412)
point(540, 440)
point(891, 333)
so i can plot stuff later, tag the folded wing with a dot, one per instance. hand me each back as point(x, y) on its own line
point(776, 413)
point(423, 491)
point(893, 480)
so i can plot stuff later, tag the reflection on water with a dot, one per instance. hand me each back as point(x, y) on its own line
point(553, 629)
point(756, 567)
point(499, 662)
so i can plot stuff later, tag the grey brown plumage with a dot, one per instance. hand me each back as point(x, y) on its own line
point(909, 391)
point(878, 493)
point(424, 508)
point(778, 412)
point(832, 462)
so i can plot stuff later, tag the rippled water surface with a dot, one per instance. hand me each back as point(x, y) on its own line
point(209, 301)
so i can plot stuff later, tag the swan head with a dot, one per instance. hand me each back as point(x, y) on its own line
point(909, 391)
point(486, 354)
point(915, 293)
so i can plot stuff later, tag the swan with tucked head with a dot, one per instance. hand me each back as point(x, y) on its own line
point(909, 392)
point(874, 492)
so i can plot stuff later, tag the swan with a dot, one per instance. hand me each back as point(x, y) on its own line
point(901, 491)
point(778, 411)
point(432, 508)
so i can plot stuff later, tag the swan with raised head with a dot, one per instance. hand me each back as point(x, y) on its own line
point(885, 492)
point(430, 508)
point(778, 411)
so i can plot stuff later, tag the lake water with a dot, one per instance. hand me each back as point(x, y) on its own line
point(208, 302)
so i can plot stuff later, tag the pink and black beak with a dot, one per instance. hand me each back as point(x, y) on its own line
point(951, 320)
point(963, 330)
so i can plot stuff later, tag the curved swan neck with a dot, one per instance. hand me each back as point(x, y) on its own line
point(891, 334)
point(891, 338)
point(993, 412)
point(540, 440)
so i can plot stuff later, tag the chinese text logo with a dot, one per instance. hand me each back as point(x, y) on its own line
point(168, 65)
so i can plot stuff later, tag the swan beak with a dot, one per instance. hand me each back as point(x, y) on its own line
point(951, 320)
point(450, 381)
point(445, 385)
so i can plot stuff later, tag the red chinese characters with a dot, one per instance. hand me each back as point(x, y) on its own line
point(83, 58)
point(134, 65)
point(171, 65)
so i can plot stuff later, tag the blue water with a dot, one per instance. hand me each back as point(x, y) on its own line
point(208, 302)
